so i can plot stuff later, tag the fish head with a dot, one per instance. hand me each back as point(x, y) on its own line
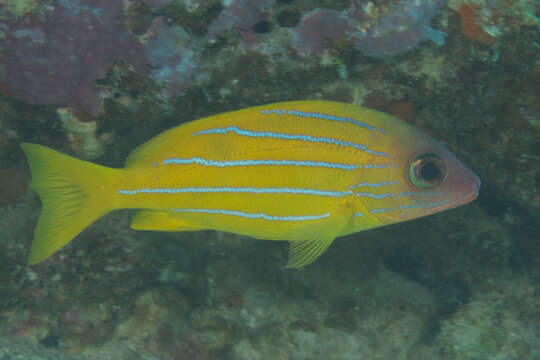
point(428, 179)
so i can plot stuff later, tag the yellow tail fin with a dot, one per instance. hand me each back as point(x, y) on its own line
point(73, 194)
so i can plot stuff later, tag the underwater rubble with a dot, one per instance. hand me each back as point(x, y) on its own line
point(97, 78)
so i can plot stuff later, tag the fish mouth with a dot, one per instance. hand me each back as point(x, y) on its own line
point(470, 196)
point(467, 198)
point(473, 195)
point(463, 200)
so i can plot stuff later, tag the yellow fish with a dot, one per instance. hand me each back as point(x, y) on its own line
point(302, 171)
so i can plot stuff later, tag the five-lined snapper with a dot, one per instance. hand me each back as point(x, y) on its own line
point(302, 171)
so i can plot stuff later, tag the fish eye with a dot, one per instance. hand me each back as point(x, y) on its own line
point(427, 171)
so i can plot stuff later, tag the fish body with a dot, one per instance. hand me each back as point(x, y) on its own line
point(302, 171)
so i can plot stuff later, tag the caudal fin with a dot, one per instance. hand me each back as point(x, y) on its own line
point(72, 195)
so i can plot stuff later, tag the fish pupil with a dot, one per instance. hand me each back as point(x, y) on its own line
point(430, 171)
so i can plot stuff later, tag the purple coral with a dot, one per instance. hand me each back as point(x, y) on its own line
point(317, 27)
point(400, 29)
point(241, 15)
point(172, 55)
point(55, 58)
point(391, 30)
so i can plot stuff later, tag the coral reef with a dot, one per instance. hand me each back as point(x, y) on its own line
point(316, 28)
point(459, 285)
point(241, 16)
point(45, 64)
point(172, 54)
point(493, 325)
point(485, 21)
point(55, 58)
point(401, 28)
point(82, 135)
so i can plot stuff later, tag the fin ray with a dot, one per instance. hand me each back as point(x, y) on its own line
point(68, 189)
point(306, 249)
point(304, 252)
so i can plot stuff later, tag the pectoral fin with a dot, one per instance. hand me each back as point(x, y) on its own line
point(161, 221)
point(304, 252)
point(307, 248)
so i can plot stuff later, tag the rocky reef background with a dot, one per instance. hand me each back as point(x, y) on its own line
point(96, 78)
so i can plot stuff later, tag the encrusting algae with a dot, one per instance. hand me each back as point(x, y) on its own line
point(302, 171)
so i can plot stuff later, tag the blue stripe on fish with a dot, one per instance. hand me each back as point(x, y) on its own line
point(378, 211)
point(382, 196)
point(380, 166)
point(379, 184)
point(254, 215)
point(375, 196)
point(420, 193)
point(274, 135)
point(217, 163)
point(426, 205)
point(235, 190)
point(323, 116)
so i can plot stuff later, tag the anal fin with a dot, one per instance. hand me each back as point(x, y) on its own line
point(161, 221)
